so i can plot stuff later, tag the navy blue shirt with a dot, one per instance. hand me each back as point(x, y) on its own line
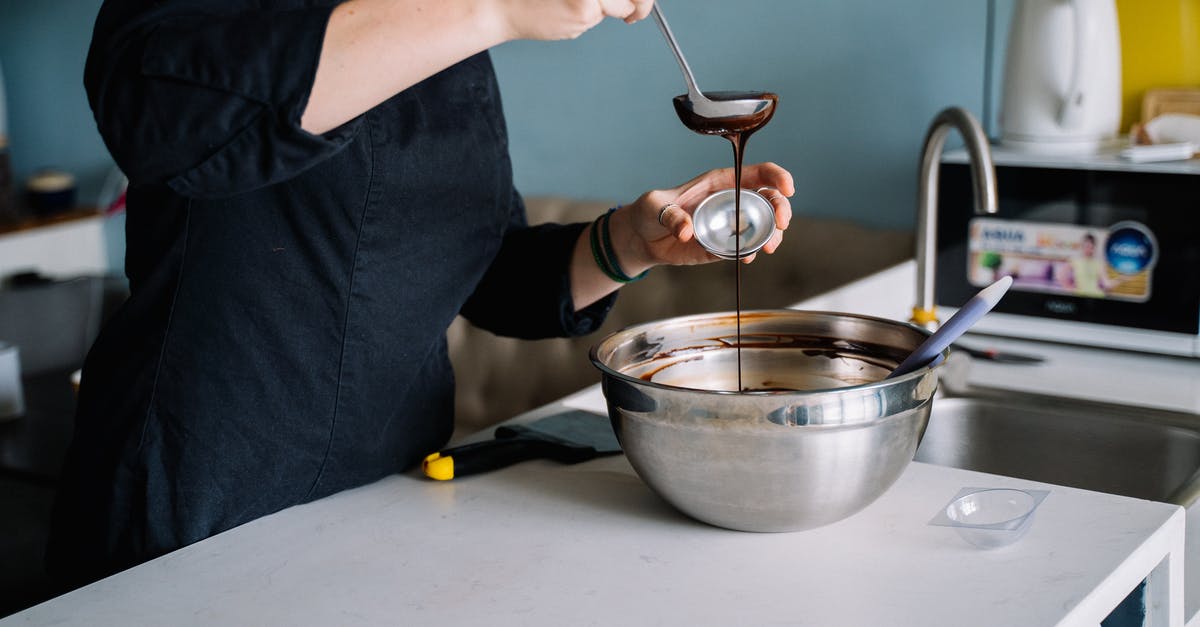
point(285, 336)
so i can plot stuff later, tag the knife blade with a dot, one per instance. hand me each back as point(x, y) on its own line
point(998, 356)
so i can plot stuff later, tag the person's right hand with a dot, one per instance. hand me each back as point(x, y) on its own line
point(566, 19)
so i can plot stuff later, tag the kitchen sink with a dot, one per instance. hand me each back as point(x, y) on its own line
point(1145, 453)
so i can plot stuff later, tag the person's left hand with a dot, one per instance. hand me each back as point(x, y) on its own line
point(649, 242)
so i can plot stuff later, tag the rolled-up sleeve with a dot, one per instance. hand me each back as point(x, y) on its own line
point(208, 102)
point(526, 291)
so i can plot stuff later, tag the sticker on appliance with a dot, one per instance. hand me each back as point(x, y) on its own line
point(1116, 263)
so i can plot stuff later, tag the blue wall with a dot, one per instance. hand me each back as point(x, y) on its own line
point(43, 45)
point(859, 81)
point(591, 118)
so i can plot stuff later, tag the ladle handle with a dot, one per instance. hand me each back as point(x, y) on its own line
point(694, 92)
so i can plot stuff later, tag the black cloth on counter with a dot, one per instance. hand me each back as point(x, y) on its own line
point(285, 334)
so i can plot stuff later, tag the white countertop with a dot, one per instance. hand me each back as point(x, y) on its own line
point(540, 543)
point(544, 544)
point(1098, 374)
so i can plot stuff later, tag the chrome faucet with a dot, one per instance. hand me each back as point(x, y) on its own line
point(983, 176)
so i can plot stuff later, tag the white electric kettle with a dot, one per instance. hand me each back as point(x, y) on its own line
point(1062, 77)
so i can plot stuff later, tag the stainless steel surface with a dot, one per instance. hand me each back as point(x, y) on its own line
point(766, 460)
point(1132, 451)
point(714, 221)
point(998, 356)
point(702, 105)
point(983, 175)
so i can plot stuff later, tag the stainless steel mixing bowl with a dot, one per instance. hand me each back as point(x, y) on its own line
point(818, 436)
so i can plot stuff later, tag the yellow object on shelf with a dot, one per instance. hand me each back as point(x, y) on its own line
point(1160, 47)
point(922, 317)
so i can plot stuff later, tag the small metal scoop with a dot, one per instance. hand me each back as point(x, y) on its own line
point(700, 104)
point(719, 231)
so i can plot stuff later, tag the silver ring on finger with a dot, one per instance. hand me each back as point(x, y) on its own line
point(773, 197)
point(662, 212)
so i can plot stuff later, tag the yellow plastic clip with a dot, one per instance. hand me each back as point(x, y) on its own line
point(922, 316)
point(437, 467)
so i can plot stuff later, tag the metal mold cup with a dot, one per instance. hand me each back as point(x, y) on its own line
point(715, 218)
point(818, 435)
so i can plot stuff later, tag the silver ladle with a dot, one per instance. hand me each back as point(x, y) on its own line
point(700, 104)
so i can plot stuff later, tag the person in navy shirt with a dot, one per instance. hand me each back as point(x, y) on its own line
point(316, 190)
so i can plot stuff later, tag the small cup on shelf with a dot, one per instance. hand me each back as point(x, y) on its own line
point(49, 192)
point(12, 399)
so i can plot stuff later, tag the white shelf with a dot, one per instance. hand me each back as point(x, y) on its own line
point(67, 247)
point(1107, 160)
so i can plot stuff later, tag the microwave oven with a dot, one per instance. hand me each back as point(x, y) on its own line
point(1102, 251)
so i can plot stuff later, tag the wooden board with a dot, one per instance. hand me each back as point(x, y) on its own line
point(30, 222)
point(1170, 100)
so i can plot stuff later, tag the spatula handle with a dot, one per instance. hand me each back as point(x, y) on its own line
point(963, 319)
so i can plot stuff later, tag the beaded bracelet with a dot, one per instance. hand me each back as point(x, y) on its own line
point(603, 253)
point(594, 238)
point(611, 254)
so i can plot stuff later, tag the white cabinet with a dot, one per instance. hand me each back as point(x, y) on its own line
point(71, 245)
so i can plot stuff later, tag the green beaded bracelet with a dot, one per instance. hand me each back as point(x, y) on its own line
point(611, 255)
point(594, 238)
point(602, 250)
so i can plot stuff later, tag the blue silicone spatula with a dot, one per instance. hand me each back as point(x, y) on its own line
point(959, 323)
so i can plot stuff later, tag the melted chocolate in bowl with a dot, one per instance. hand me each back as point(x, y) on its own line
point(819, 435)
point(737, 129)
point(769, 363)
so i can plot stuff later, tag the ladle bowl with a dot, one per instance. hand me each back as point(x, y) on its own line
point(695, 102)
point(819, 435)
